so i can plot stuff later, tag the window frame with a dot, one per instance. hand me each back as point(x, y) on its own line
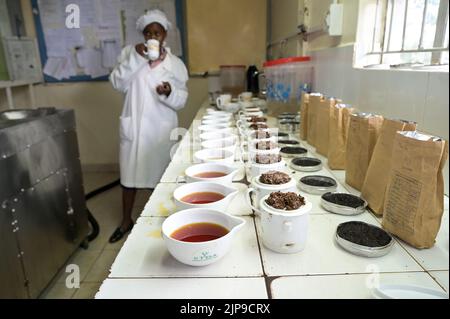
point(374, 35)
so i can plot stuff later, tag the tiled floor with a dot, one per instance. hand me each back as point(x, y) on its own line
point(95, 262)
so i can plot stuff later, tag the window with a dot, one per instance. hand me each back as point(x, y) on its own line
point(403, 33)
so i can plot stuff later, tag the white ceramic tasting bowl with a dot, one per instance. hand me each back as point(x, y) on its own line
point(231, 107)
point(194, 170)
point(219, 122)
point(217, 135)
point(221, 205)
point(214, 155)
point(218, 113)
point(200, 253)
point(211, 128)
point(213, 116)
point(225, 144)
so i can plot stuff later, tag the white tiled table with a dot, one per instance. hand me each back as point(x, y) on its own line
point(183, 288)
point(145, 269)
point(353, 286)
point(144, 255)
point(322, 255)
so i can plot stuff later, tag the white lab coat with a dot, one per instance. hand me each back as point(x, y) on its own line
point(147, 118)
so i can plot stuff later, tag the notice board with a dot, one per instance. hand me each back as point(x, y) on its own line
point(89, 53)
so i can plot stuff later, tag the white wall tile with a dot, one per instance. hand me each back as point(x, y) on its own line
point(436, 109)
point(406, 95)
point(373, 91)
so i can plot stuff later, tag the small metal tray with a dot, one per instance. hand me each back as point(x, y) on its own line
point(317, 190)
point(282, 136)
point(303, 152)
point(295, 165)
point(341, 209)
point(361, 250)
point(289, 142)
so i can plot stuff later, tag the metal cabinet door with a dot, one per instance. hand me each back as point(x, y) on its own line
point(12, 279)
point(46, 234)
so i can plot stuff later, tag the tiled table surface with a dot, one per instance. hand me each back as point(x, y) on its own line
point(145, 269)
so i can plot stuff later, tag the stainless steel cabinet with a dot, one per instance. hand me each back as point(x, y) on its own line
point(43, 211)
point(13, 283)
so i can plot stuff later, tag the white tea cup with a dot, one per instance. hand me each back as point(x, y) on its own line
point(284, 231)
point(223, 100)
point(153, 49)
point(245, 96)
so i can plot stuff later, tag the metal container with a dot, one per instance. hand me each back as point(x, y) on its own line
point(341, 209)
point(361, 250)
point(290, 126)
point(317, 190)
point(286, 117)
point(293, 151)
point(43, 215)
point(295, 164)
point(288, 142)
point(282, 136)
point(284, 126)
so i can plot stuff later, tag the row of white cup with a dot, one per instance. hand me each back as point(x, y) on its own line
point(282, 231)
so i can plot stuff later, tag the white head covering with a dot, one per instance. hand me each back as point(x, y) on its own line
point(153, 16)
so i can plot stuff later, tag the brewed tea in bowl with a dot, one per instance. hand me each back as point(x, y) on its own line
point(211, 172)
point(199, 237)
point(204, 195)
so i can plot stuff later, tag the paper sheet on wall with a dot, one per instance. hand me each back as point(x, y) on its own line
point(108, 12)
point(88, 12)
point(55, 40)
point(91, 61)
point(60, 67)
point(74, 38)
point(110, 51)
point(51, 13)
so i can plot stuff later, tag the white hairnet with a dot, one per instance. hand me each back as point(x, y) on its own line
point(153, 16)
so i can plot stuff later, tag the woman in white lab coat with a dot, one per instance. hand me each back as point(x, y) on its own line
point(155, 89)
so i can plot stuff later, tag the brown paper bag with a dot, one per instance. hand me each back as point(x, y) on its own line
point(314, 101)
point(377, 175)
point(322, 125)
point(362, 136)
point(414, 199)
point(304, 116)
point(339, 122)
point(275, 108)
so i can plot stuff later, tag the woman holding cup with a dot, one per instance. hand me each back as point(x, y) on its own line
point(154, 83)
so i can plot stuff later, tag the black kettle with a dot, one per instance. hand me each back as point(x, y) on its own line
point(252, 80)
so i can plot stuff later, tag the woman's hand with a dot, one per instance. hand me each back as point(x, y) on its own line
point(164, 88)
point(141, 49)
